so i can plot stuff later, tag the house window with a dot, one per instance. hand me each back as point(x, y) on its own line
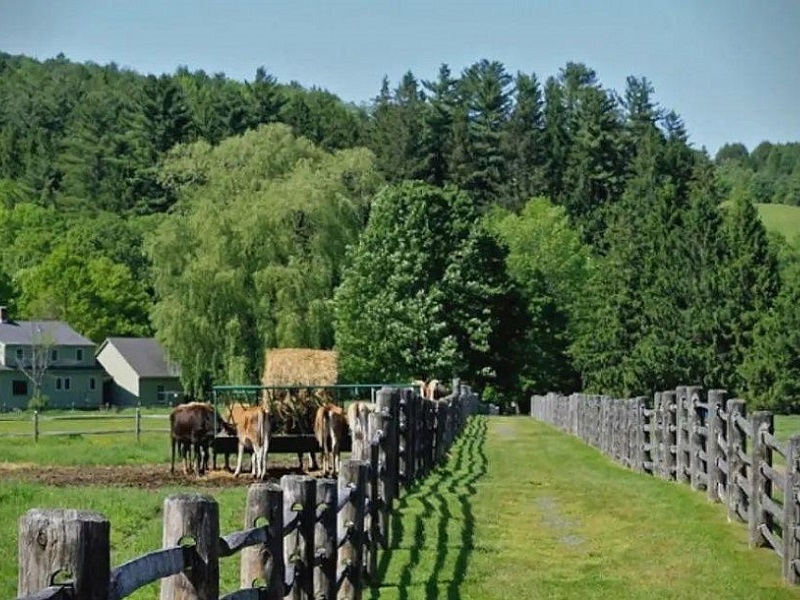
point(92, 383)
point(79, 354)
point(19, 387)
point(20, 354)
point(53, 355)
point(59, 383)
point(160, 393)
point(66, 383)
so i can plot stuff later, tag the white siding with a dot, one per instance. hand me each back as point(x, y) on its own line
point(116, 366)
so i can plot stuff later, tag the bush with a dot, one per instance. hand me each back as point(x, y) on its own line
point(38, 402)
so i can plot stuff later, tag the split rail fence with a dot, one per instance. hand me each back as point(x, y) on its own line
point(700, 439)
point(305, 538)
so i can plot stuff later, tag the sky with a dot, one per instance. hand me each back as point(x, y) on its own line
point(730, 69)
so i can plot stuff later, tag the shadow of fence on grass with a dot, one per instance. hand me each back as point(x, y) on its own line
point(445, 491)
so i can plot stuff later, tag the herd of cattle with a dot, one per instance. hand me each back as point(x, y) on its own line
point(194, 425)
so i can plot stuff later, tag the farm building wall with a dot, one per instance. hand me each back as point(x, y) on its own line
point(160, 390)
point(63, 387)
point(126, 380)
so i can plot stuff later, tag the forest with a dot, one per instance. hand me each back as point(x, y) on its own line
point(527, 234)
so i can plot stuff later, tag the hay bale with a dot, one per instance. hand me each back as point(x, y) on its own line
point(300, 367)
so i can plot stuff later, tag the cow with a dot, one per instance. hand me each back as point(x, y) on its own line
point(192, 428)
point(431, 390)
point(358, 420)
point(252, 424)
point(330, 428)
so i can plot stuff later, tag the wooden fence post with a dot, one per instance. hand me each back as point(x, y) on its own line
point(714, 491)
point(372, 517)
point(299, 504)
point(670, 434)
point(639, 405)
point(264, 501)
point(197, 517)
point(352, 483)
point(138, 423)
point(759, 484)
point(72, 544)
point(389, 405)
point(791, 511)
point(692, 423)
point(737, 500)
point(35, 425)
point(681, 436)
point(325, 539)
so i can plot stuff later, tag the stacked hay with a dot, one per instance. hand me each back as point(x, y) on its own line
point(300, 367)
point(302, 370)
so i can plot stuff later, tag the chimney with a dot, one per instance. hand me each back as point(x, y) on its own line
point(3, 314)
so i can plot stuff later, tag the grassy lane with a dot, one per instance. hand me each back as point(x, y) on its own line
point(523, 511)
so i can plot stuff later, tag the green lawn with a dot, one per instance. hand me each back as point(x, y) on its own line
point(782, 218)
point(519, 511)
point(524, 511)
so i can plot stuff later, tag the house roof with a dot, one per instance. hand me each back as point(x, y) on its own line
point(26, 333)
point(144, 355)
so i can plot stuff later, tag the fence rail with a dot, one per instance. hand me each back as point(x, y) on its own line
point(37, 420)
point(704, 441)
point(320, 537)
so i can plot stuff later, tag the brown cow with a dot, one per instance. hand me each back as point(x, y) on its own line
point(252, 425)
point(330, 428)
point(192, 429)
point(358, 419)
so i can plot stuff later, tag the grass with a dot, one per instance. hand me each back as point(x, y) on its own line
point(524, 511)
point(136, 519)
point(520, 510)
point(782, 218)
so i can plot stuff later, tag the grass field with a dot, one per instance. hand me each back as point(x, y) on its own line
point(524, 511)
point(520, 510)
point(782, 218)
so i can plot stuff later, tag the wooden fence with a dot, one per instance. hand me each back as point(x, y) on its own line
point(305, 538)
point(114, 423)
point(700, 439)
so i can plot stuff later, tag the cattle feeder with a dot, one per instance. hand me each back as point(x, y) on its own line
point(291, 408)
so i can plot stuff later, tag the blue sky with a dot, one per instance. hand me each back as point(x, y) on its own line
point(731, 69)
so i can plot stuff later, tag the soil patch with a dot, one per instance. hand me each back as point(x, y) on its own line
point(141, 476)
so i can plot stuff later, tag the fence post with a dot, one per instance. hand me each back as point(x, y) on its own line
point(715, 401)
point(761, 421)
point(736, 467)
point(264, 501)
point(299, 504)
point(35, 425)
point(692, 423)
point(352, 484)
point(639, 405)
point(193, 516)
point(791, 518)
point(138, 423)
point(389, 405)
point(372, 518)
point(325, 541)
point(670, 434)
point(681, 436)
point(64, 543)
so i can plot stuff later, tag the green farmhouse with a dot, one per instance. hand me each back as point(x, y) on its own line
point(140, 372)
point(50, 359)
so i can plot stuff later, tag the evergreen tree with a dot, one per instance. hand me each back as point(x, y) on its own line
point(524, 143)
point(437, 129)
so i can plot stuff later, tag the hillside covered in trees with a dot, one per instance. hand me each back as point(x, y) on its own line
point(528, 234)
